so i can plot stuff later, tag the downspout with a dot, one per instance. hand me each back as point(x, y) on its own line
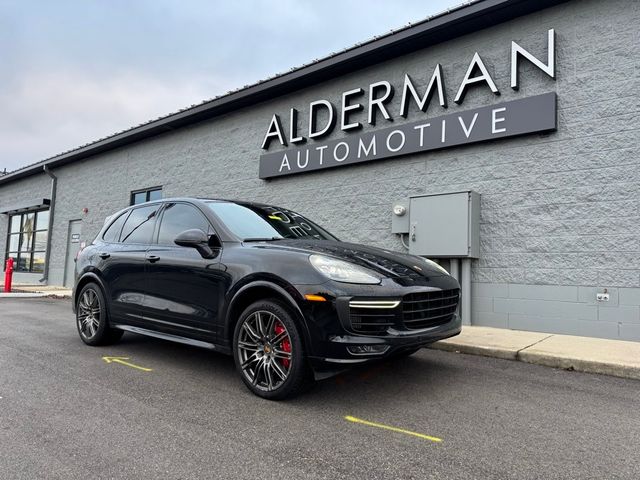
point(465, 284)
point(52, 207)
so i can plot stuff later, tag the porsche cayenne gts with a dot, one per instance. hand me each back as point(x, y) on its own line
point(281, 294)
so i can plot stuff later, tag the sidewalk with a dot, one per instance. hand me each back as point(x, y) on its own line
point(35, 291)
point(585, 354)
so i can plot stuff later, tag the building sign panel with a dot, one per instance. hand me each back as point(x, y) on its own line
point(517, 117)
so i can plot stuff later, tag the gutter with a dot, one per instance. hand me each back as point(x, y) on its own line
point(52, 208)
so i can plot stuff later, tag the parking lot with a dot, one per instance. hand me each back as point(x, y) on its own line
point(67, 413)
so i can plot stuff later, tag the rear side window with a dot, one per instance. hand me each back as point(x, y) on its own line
point(177, 218)
point(112, 235)
point(139, 226)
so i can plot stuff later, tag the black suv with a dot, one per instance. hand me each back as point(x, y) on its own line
point(281, 294)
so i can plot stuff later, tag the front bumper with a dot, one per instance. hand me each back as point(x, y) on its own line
point(333, 344)
point(338, 354)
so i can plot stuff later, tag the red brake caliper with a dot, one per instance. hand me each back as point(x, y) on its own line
point(285, 345)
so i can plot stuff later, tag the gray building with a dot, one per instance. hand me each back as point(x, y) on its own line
point(531, 105)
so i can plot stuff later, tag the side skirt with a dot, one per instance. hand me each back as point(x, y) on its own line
point(172, 338)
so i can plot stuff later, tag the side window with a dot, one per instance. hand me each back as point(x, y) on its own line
point(139, 226)
point(177, 218)
point(112, 235)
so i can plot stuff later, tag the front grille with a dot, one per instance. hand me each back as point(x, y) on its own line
point(372, 319)
point(429, 309)
point(374, 316)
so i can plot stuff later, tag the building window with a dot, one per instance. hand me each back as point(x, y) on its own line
point(146, 195)
point(27, 240)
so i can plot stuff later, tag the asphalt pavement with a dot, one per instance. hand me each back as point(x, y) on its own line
point(66, 413)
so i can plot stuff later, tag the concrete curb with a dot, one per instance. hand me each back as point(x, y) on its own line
point(25, 290)
point(580, 365)
point(483, 350)
point(34, 295)
point(22, 295)
point(591, 355)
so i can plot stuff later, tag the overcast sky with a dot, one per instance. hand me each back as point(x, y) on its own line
point(74, 71)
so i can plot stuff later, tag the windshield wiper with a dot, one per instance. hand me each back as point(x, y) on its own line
point(262, 239)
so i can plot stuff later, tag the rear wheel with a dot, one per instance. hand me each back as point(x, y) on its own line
point(92, 317)
point(268, 351)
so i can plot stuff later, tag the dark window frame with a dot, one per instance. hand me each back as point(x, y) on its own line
point(147, 191)
point(31, 251)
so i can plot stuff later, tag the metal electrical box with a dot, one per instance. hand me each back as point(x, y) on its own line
point(445, 225)
point(400, 217)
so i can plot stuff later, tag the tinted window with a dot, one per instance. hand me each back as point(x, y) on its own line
point(155, 195)
point(37, 264)
point(113, 232)
point(250, 221)
point(177, 218)
point(27, 240)
point(146, 195)
point(15, 223)
point(139, 197)
point(42, 222)
point(139, 226)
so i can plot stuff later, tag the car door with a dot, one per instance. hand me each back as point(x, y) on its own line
point(183, 289)
point(122, 261)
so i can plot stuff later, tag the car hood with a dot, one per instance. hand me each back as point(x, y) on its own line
point(385, 262)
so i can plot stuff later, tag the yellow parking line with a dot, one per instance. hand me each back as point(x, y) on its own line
point(121, 361)
point(393, 429)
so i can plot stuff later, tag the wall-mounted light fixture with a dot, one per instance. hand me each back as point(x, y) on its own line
point(399, 210)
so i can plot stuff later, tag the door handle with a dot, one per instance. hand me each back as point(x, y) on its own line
point(152, 258)
point(104, 255)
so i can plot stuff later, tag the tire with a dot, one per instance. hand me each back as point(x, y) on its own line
point(268, 351)
point(92, 318)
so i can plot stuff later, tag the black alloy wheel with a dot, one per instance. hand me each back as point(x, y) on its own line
point(92, 318)
point(268, 351)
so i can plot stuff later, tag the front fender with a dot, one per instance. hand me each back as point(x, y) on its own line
point(280, 290)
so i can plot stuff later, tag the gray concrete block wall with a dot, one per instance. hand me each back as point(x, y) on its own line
point(560, 211)
point(571, 310)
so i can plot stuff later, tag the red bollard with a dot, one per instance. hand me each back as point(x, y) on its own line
point(8, 275)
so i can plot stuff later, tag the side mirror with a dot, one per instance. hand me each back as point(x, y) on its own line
point(197, 239)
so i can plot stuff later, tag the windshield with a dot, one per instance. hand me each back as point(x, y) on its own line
point(253, 222)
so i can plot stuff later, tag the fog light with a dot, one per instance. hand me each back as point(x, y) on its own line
point(367, 349)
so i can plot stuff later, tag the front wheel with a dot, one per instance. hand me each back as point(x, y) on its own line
point(268, 351)
point(92, 318)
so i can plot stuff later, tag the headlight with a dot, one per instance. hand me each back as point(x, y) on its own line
point(340, 271)
point(435, 265)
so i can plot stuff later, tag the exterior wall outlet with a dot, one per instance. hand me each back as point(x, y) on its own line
point(602, 297)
